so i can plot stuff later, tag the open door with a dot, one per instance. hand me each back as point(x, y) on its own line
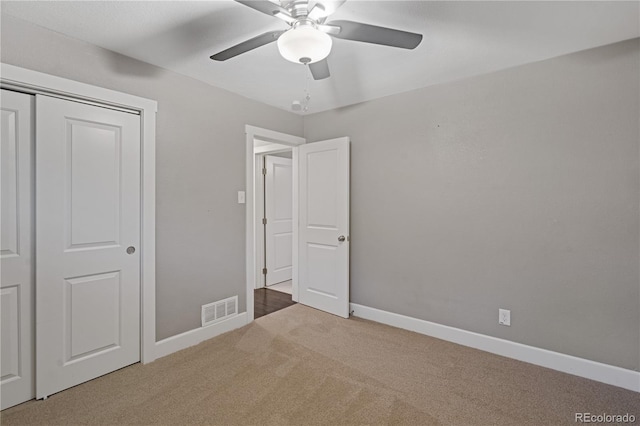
point(323, 238)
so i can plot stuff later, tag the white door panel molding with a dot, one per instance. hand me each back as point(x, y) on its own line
point(87, 245)
point(323, 247)
point(16, 255)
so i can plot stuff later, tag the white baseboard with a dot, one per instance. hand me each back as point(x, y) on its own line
point(193, 337)
point(597, 371)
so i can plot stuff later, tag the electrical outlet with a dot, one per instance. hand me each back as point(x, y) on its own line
point(504, 317)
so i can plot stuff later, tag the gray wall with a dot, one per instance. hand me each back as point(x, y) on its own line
point(200, 165)
point(517, 190)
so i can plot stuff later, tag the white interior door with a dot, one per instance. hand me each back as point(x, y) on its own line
point(16, 255)
point(88, 262)
point(323, 258)
point(279, 215)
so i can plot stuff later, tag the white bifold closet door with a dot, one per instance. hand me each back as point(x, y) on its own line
point(16, 255)
point(87, 244)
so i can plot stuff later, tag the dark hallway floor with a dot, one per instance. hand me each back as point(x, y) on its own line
point(267, 301)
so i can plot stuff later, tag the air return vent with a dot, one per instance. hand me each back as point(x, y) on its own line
point(220, 310)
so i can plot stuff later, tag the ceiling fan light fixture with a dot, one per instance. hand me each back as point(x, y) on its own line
point(304, 44)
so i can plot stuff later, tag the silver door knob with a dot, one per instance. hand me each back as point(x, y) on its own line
point(131, 250)
point(341, 238)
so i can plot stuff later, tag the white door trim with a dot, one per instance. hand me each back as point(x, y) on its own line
point(252, 133)
point(29, 81)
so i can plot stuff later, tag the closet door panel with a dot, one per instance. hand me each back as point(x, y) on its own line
point(16, 248)
point(88, 221)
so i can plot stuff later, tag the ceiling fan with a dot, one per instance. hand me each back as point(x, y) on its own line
point(308, 39)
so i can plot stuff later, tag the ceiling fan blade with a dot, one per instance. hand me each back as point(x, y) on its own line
point(377, 35)
point(268, 8)
point(329, 29)
point(317, 12)
point(320, 70)
point(248, 45)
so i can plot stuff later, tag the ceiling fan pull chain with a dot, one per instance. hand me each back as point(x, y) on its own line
point(307, 96)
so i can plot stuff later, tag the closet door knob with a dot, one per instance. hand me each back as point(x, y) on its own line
point(131, 250)
point(341, 238)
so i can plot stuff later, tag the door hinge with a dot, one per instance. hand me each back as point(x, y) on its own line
point(264, 271)
point(264, 171)
point(264, 220)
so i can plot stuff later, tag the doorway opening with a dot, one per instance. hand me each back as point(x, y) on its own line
point(271, 221)
point(277, 220)
point(274, 203)
point(320, 219)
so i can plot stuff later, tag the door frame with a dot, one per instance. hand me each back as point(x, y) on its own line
point(252, 259)
point(32, 82)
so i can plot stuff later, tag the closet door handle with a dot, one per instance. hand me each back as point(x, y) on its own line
point(131, 250)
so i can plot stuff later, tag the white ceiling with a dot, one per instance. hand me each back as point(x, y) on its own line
point(461, 39)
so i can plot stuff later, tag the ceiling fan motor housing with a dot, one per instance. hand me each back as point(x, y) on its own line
point(298, 9)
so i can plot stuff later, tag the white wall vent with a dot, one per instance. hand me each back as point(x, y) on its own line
point(220, 310)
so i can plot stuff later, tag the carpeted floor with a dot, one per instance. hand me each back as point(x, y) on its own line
point(300, 366)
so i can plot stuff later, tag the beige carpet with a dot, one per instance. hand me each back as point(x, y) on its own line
point(300, 366)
